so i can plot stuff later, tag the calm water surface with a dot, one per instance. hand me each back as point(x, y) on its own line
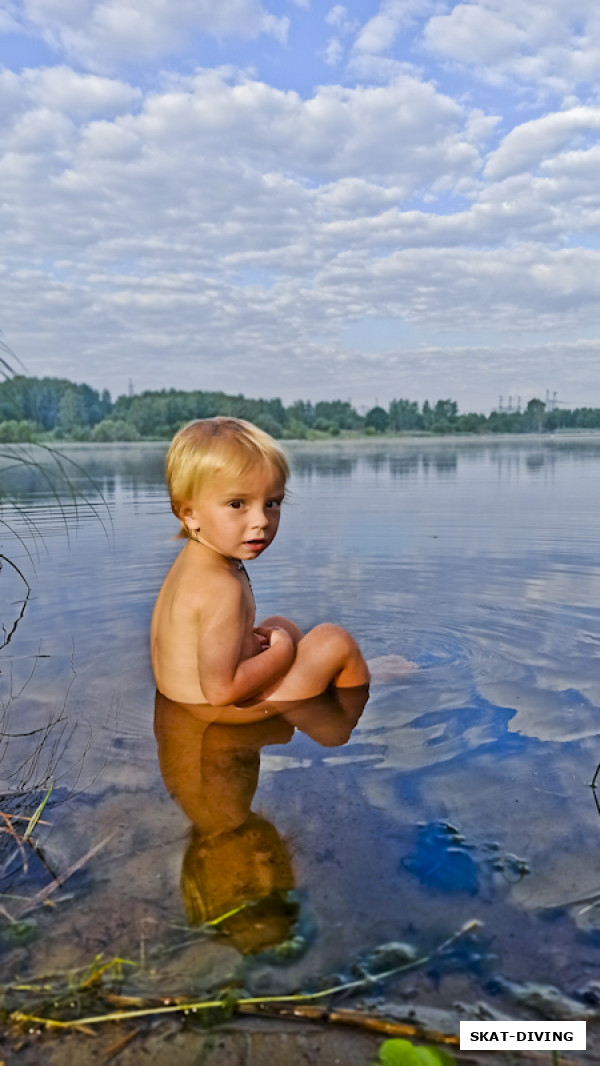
point(462, 792)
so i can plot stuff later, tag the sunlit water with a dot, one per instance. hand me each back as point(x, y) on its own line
point(463, 791)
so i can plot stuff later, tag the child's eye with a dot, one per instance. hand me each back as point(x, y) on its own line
point(236, 504)
point(274, 503)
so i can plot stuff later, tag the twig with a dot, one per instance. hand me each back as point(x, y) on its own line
point(43, 894)
point(193, 1008)
point(9, 917)
point(118, 1046)
point(354, 1018)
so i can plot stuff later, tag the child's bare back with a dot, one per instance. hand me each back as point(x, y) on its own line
point(227, 482)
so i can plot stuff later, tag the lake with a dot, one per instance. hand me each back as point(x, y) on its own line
point(334, 843)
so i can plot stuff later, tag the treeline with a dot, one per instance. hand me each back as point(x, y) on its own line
point(57, 409)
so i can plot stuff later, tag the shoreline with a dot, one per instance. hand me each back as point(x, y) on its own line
point(373, 440)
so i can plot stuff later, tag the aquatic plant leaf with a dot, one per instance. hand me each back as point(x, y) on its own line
point(398, 1052)
point(35, 817)
point(442, 860)
point(20, 932)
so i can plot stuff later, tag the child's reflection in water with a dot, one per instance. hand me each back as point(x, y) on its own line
point(237, 870)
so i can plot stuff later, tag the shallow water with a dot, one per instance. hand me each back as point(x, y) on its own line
point(462, 792)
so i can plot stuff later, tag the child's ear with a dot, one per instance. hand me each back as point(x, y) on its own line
point(187, 515)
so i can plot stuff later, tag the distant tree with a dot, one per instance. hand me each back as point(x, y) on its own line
point(71, 410)
point(404, 415)
point(338, 413)
point(470, 423)
point(377, 419)
point(445, 410)
point(114, 430)
point(302, 411)
point(269, 424)
point(14, 432)
point(296, 430)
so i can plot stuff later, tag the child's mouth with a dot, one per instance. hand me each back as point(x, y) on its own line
point(255, 545)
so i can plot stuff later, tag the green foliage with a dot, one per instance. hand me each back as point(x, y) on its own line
point(269, 424)
point(338, 413)
point(377, 419)
point(51, 402)
point(61, 410)
point(445, 410)
point(397, 1052)
point(18, 432)
point(114, 429)
point(404, 415)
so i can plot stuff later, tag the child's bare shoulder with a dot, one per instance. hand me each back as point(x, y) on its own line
point(192, 586)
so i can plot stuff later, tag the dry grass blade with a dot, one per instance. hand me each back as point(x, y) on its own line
point(63, 461)
point(10, 829)
point(44, 893)
point(6, 368)
point(8, 634)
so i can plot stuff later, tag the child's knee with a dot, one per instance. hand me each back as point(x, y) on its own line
point(336, 640)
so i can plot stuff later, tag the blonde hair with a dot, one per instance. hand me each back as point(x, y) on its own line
point(209, 446)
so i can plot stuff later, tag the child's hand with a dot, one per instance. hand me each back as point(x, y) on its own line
point(261, 639)
point(280, 636)
point(277, 635)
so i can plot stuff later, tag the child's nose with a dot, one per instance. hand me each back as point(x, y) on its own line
point(259, 518)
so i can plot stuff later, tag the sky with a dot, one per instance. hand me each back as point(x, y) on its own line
point(365, 201)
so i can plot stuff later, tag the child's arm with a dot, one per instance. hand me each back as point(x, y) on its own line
point(223, 677)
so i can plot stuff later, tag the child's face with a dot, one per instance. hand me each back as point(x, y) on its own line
point(238, 516)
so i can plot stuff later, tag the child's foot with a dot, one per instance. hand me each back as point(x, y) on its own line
point(386, 668)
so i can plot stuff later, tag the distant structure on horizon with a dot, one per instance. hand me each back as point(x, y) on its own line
point(509, 408)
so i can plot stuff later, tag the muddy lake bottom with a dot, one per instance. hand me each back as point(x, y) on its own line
point(460, 795)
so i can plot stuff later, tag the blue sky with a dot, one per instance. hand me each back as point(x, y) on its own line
point(376, 199)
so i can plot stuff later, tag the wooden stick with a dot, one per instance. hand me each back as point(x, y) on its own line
point(352, 1017)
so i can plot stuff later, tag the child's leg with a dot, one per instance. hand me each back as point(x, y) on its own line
point(327, 654)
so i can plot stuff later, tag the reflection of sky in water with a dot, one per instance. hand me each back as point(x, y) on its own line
point(479, 561)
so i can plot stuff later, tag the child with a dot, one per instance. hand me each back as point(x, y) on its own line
point(226, 481)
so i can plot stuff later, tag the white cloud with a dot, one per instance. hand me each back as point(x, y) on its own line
point(527, 146)
point(343, 22)
point(345, 25)
point(334, 52)
point(103, 33)
point(552, 45)
point(184, 226)
point(472, 30)
point(379, 34)
point(9, 17)
point(61, 89)
point(337, 15)
point(404, 131)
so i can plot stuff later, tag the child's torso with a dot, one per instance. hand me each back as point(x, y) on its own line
point(177, 630)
